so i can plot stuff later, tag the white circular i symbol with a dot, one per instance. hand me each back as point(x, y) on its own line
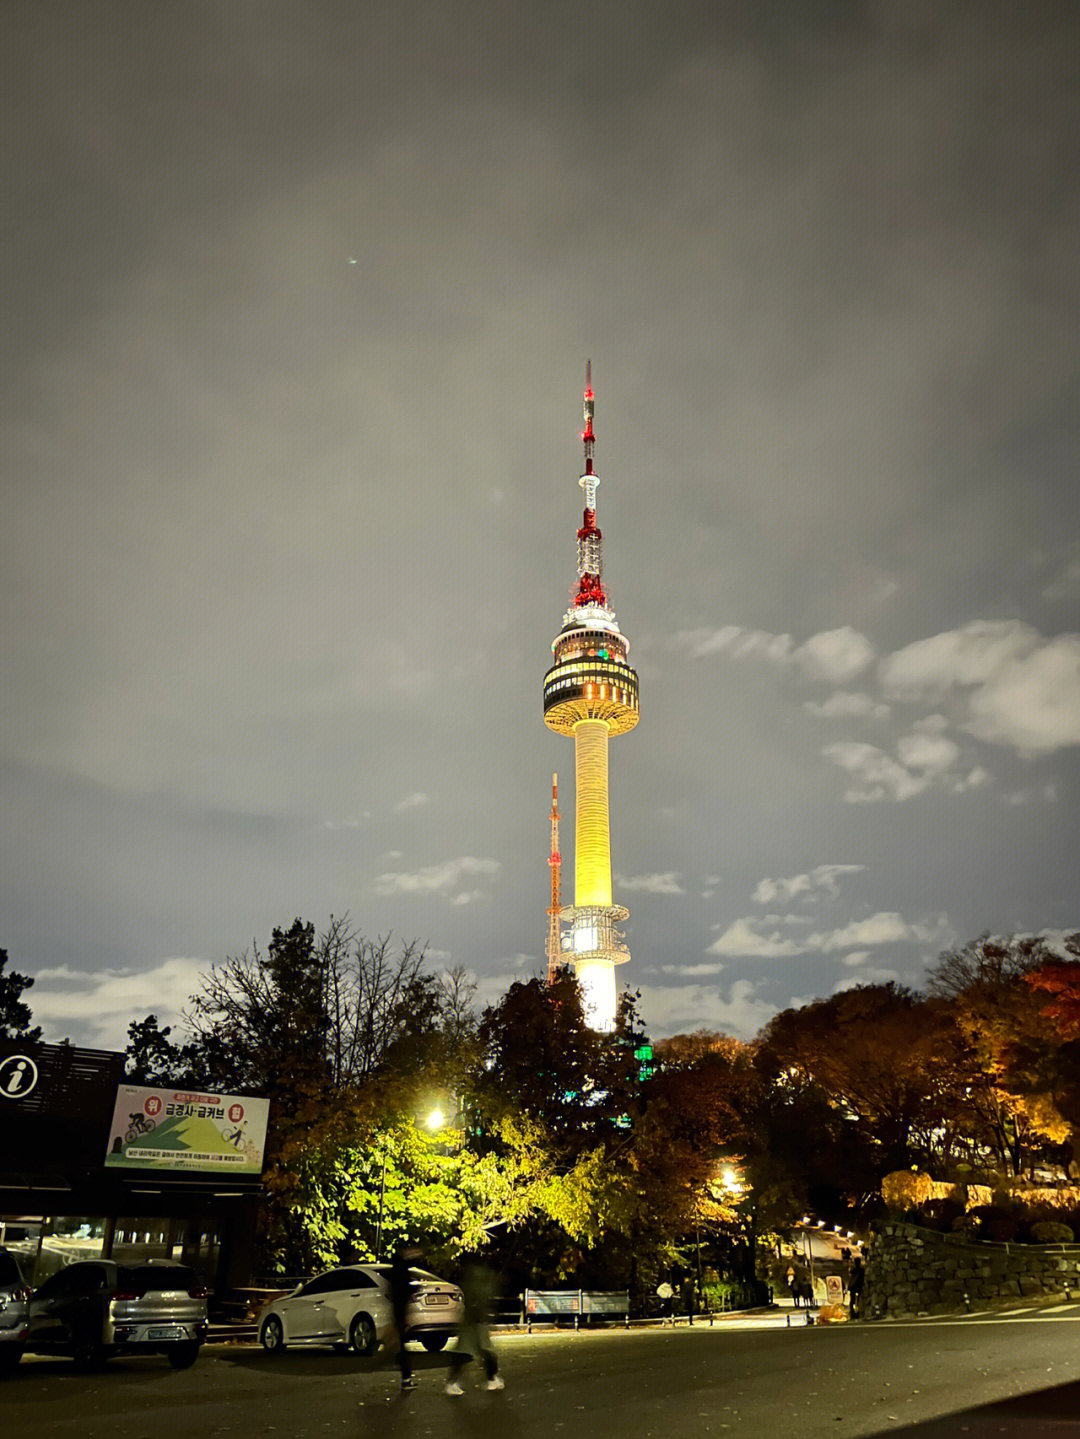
point(18, 1076)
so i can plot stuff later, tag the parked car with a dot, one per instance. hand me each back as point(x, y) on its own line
point(350, 1308)
point(94, 1309)
point(14, 1293)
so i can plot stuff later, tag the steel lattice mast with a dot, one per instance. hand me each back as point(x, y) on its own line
point(590, 694)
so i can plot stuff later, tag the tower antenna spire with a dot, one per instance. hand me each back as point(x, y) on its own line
point(590, 587)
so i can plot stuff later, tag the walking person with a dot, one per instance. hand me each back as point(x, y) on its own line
point(686, 1293)
point(401, 1292)
point(855, 1286)
point(795, 1288)
point(474, 1335)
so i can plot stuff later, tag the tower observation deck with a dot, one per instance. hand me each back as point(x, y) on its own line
point(591, 694)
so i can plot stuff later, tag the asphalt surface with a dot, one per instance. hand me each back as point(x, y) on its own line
point(1014, 1375)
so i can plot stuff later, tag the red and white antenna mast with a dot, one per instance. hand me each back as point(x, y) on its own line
point(590, 588)
point(554, 940)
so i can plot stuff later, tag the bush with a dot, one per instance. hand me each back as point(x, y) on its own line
point(966, 1225)
point(996, 1223)
point(906, 1189)
point(942, 1214)
point(1049, 1231)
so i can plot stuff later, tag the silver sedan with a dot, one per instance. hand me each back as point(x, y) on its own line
point(350, 1308)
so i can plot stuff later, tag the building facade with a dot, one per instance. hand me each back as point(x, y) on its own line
point(94, 1167)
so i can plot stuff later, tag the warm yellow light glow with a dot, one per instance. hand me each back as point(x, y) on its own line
point(597, 981)
point(592, 839)
point(435, 1120)
point(729, 1178)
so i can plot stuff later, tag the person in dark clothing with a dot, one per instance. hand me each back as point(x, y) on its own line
point(401, 1292)
point(474, 1336)
point(686, 1294)
point(855, 1286)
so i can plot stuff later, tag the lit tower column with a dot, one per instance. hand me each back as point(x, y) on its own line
point(591, 693)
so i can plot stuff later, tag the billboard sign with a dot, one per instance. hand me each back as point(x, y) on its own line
point(215, 1134)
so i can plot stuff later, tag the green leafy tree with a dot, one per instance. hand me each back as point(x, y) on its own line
point(552, 1102)
point(15, 1014)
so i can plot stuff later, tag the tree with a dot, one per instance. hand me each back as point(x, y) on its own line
point(1060, 978)
point(875, 1051)
point(1010, 1084)
point(152, 1058)
point(552, 1103)
point(344, 1036)
point(15, 1013)
point(539, 1058)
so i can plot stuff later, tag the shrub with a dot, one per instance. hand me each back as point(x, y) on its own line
point(942, 1214)
point(996, 1224)
point(906, 1189)
point(1049, 1231)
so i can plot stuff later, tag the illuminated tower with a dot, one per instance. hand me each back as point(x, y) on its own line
point(555, 957)
point(591, 693)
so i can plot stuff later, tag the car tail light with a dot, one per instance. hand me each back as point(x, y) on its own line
point(198, 1294)
point(122, 1294)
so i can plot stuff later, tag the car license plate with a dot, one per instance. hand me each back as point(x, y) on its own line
point(437, 1299)
point(166, 1331)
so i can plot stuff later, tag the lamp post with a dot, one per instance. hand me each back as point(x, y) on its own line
point(382, 1196)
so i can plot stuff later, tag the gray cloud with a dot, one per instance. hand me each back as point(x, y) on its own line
point(289, 456)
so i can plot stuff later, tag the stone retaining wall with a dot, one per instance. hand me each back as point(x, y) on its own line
point(910, 1271)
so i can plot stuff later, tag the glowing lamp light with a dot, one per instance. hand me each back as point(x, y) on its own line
point(435, 1120)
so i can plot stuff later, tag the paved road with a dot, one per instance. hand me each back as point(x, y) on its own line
point(919, 1380)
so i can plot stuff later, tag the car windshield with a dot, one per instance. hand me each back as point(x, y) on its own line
point(151, 1278)
point(9, 1270)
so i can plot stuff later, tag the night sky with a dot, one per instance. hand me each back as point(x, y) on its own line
point(298, 299)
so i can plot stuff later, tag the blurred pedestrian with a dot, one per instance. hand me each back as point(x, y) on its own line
point(402, 1287)
point(687, 1294)
point(855, 1285)
point(666, 1295)
point(789, 1279)
point(478, 1284)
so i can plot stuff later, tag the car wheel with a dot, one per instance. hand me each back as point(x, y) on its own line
point(10, 1355)
point(362, 1335)
point(183, 1356)
point(272, 1335)
point(434, 1342)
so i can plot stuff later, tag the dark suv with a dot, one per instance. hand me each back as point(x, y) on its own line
point(13, 1296)
point(95, 1309)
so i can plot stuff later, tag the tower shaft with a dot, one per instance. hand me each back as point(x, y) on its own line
point(592, 831)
